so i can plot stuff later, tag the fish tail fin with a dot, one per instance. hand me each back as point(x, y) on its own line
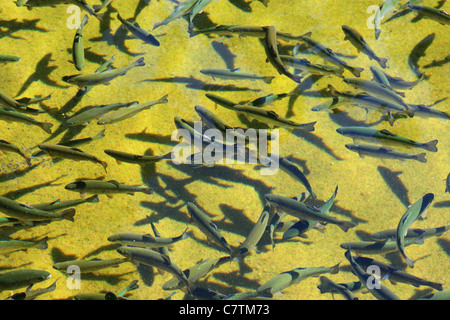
point(139, 62)
point(46, 126)
point(333, 91)
point(431, 146)
point(147, 190)
point(409, 112)
point(307, 126)
point(421, 157)
point(345, 225)
point(356, 71)
point(164, 99)
point(268, 80)
point(185, 235)
point(335, 268)
point(436, 285)
point(68, 214)
point(99, 135)
point(99, 16)
point(104, 164)
point(382, 62)
point(93, 199)
point(43, 244)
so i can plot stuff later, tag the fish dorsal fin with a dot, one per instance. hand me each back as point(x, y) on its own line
point(387, 132)
point(213, 225)
point(272, 114)
point(26, 206)
point(385, 149)
point(76, 149)
point(114, 182)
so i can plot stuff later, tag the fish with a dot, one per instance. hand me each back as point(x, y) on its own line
point(377, 289)
point(419, 51)
point(20, 278)
point(328, 55)
point(73, 143)
point(142, 160)
point(92, 79)
point(110, 187)
point(414, 212)
point(145, 240)
point(429, 112)
point(85, 116)
point(103, 67)
point(26, 213)
point(306, 66)
point(271, 118)
point(154, 259)
point(197, 8)
point(368, 101)
point(209, 228)
point(30, 294)
point(395, 82)
point(88, 266)
point(358, 41)
point(183, 9)
point(8, 102)
point(130, 111)
point(196, 272)
point(395, 275)
point(302, 211)
point(78, 47)
point(6, 146)
point(294, 276)
point(245, 31)
point(328, 285)
point(411, 233)
point(138, 32)
point(378, 247)
point(59, 205)
point(256, 232)
point(8, 246)
point(381, 12)
point(380, 90)
point(15, 116)
point(385, 137)
point(431, 13)
point(291, 169)
point(8, 58)
point(235, 74)
point(273, 56)
point(60, 151)
point(440, 295)
point(384, 152)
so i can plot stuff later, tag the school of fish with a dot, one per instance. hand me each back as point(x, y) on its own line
point(303, 59)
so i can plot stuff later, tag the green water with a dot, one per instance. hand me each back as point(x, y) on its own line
point(232, 194)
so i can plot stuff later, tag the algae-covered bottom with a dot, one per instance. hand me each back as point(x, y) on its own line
point(373, 192)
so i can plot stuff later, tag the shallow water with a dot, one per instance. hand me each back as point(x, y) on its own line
point(372, 192)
